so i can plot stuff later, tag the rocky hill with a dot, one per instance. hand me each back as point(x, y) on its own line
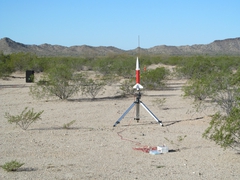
point(218, 47)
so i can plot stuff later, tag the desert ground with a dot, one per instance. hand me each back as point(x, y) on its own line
point(93, 149)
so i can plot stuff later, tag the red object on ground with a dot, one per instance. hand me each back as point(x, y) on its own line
point(145, 149)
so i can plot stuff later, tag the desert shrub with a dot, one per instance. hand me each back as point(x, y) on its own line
point(154, 79)
point(196, 89)
point(41, 64)
point(22, 61)
point(12, 166)
point(225, 129)
point(59, 81)
point(4, 70)
point(121, 65)
point(5, 65)
point(67, 126)
point(92, 87)
point(124, 67)
point(195, 67)
point(221, 88)
point(104, 66)
point(79, 64)
point(25, 119)
point(127, 87)
point(110, 79)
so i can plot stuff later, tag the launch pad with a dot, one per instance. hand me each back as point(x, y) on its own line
point(137, 102)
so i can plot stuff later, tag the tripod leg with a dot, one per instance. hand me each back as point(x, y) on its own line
point(124, 114)
point(148, 110)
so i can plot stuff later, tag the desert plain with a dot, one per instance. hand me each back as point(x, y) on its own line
point(92, 148)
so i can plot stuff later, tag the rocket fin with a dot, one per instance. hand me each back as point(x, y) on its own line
point(137, 86)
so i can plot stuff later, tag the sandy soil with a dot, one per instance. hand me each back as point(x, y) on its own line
point(93, 149)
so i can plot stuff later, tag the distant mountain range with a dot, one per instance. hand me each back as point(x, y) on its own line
point(219, 47)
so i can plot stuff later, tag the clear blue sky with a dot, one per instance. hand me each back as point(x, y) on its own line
point(119, 22)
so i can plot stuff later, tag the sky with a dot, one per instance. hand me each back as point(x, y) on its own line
point(124, 24)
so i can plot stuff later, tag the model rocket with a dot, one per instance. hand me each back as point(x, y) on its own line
point(137, 86)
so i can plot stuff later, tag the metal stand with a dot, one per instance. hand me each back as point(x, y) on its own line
point(137, 102)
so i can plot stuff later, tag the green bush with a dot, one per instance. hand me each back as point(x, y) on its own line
point(195, 67)
point(127, 87)
point(25, 119)
point(92, 87)
point(221, 87)
point(60, 82)
point(5, 65)
point(121, 65)
point(154, 79)
point(225, 130)
point(12, 166)
point(22, 61)
point(67, 126)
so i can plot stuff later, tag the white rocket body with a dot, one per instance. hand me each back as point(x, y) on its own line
point(137, 86)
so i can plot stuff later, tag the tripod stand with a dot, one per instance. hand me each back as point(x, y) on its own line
point(137, 103)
